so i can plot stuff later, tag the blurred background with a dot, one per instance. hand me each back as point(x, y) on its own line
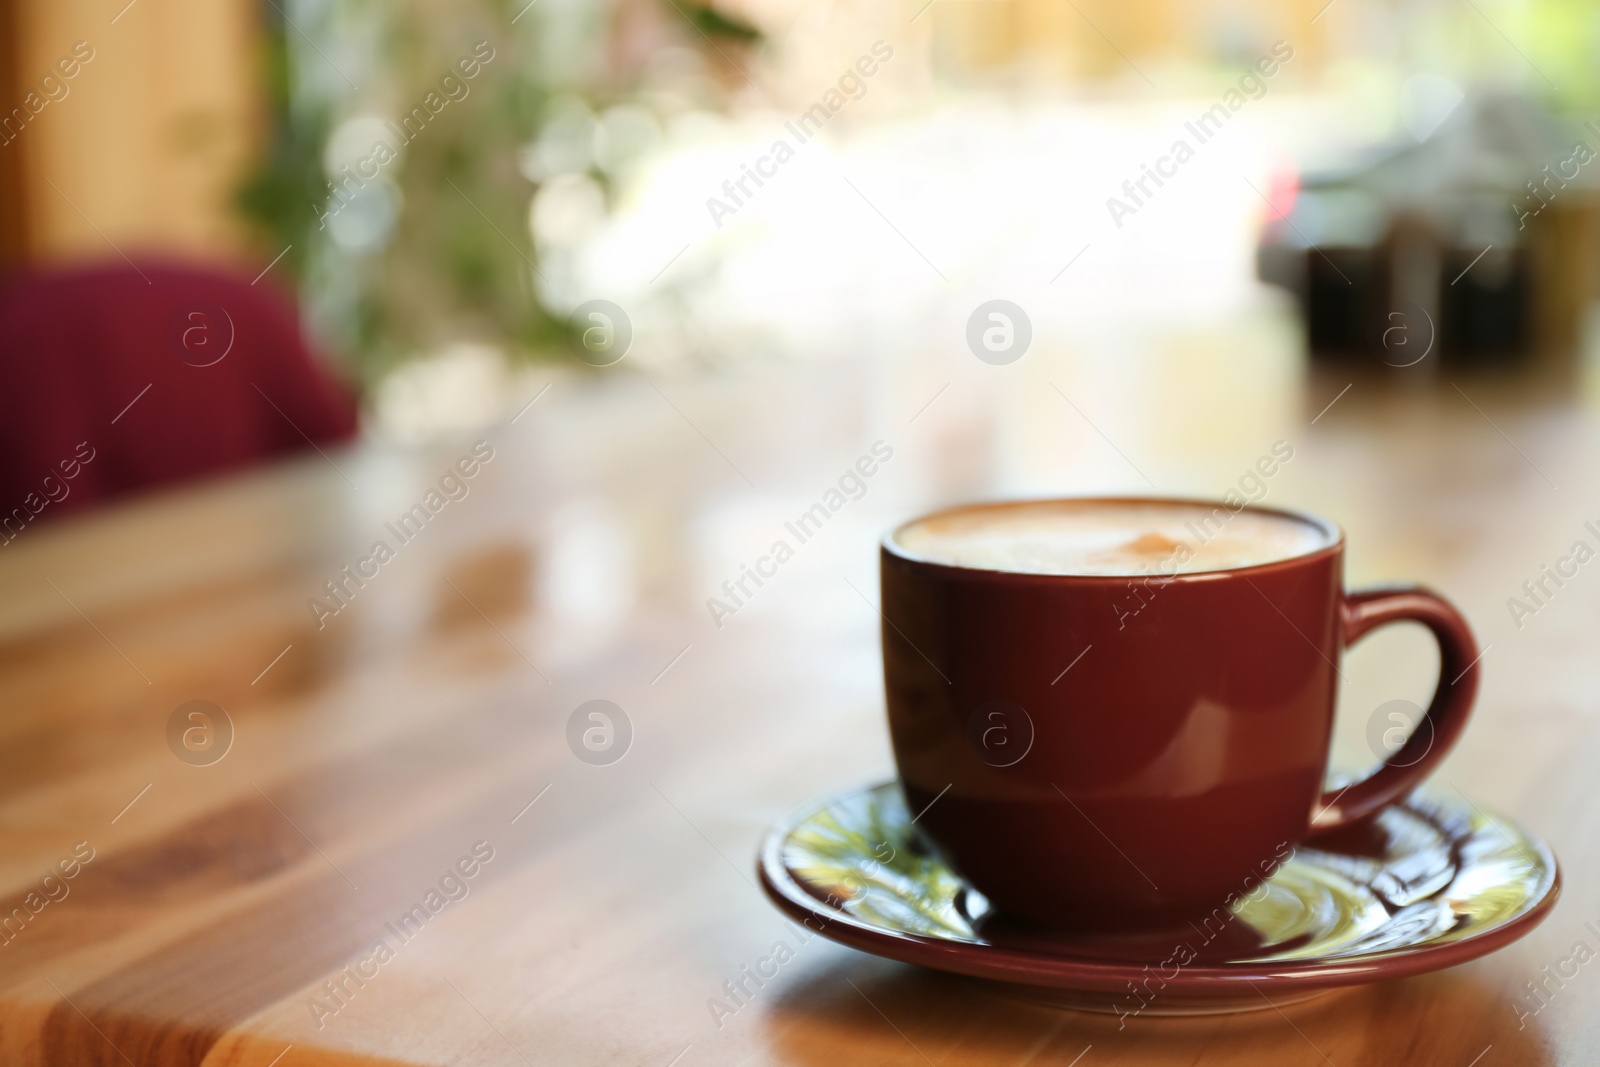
point(688, 261)
point(1392, 145)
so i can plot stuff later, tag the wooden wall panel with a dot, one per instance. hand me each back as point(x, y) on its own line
point(143, 147)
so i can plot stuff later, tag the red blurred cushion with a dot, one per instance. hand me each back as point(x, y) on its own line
point(114, 380)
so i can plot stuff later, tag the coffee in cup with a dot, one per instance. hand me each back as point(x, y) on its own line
point(1108, 538)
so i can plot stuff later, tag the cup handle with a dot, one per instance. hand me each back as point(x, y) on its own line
point(1437, 731)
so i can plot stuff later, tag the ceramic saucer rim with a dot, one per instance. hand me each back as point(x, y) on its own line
point(1055, 970)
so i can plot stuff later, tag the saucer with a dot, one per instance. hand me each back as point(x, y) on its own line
point(1428, 884)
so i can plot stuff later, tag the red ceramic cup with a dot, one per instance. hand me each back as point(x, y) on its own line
point(1089, 768)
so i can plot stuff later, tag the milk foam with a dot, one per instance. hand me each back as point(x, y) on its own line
point(1108, 538)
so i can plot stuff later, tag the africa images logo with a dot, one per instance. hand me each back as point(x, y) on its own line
point(1252, 86)
point(804, 127)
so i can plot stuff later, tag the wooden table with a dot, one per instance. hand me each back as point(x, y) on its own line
point(231, 908)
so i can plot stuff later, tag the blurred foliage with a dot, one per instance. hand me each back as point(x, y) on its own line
point(281, 196)
point(713, 23)
point(452, 258)
point(436, 248)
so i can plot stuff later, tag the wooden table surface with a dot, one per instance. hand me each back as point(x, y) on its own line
point(402, 775)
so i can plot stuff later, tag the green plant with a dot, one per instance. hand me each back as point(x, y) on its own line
point(433, 248)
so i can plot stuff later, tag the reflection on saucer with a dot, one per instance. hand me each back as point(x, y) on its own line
point(1427, 884)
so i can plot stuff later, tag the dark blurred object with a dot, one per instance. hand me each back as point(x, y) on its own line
point(714, 23)
point(121, 378)
point(1473, 244)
